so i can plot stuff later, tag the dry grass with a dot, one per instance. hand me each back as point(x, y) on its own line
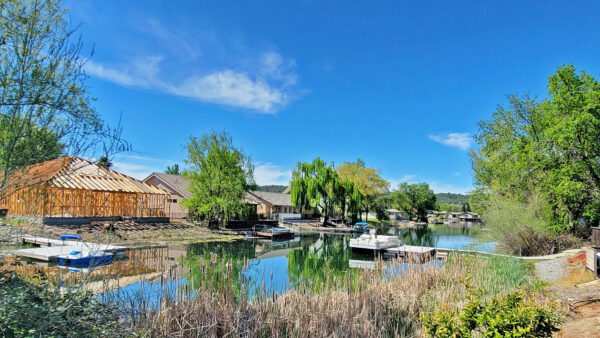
point(372, 304)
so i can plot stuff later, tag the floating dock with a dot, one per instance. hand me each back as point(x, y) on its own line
point(51, 249)
point(412, 252)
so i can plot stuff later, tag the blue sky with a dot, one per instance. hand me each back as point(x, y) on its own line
point(398, 84)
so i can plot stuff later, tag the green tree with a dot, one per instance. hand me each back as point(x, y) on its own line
point(104, 162)
point(414, 199)
point(381, 205)
point(173, 170)
point(45, 106)
point(220, 175)
point(318, 185)
point(367, 180)
point(546, 146)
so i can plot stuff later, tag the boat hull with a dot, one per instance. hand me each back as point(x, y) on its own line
point(86, 261)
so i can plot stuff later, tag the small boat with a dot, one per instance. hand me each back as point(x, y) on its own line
point(84, 255)
point(279, 231)
point(374, 242)
point(360, 227)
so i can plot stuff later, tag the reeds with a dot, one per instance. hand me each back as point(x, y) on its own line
point(366, 303)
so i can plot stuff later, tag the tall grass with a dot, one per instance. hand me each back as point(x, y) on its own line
point(367, 303)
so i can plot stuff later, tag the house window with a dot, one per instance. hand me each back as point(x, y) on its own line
point(174, 200)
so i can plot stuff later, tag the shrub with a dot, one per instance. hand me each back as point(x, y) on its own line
point(523, 228)
point(513, 315)
point(28, 310)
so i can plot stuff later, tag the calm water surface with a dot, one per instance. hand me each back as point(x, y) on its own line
point(271, 266)
point(260, 266)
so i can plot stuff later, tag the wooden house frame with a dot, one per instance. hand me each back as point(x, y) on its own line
point(72, 187)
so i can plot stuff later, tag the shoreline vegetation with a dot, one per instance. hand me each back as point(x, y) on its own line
point(382, 302)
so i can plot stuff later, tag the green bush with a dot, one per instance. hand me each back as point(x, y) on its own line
point(525, 228)
point(513, 315)
point(28, 310)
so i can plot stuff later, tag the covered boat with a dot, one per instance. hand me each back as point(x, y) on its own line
point(80, 254)
point(360, 227)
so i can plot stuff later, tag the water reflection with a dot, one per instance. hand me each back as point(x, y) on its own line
point(256, 266)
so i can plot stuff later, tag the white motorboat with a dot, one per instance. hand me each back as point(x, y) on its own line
point(374, 242)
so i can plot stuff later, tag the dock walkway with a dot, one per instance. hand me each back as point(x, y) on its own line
point(51, 249)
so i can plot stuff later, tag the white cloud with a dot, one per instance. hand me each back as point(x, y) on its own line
point(266, 91)
point(142, 72)
point(459, 140)
point(269, 173)
point(138, 166)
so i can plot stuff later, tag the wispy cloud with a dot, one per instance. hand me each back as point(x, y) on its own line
point(266, 91)
point(459, 140)
point(138, 166)
point(269, 173)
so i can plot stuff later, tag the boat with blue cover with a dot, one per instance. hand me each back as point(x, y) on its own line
point(360, 227)
point(81, 254)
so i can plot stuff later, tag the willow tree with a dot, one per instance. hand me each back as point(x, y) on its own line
point(317, 185)
point(350, 201)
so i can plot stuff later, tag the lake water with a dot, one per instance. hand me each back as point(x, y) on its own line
point(271, 266)
point(259, 266)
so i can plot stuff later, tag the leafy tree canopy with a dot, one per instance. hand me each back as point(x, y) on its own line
point(45, 107)
point(414, 199)
point(367, 180)
point(219, 174)
point(548, 146)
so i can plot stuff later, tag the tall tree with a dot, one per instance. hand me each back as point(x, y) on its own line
point(45, 106)
point(318, 185)
point(220, 175)
point(367, 180)
point(173, 170)
point(414, 199)
point(546, 146)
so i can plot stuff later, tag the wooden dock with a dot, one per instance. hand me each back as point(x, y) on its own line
point(270, 235)
point(412, 252)
point(51, 249)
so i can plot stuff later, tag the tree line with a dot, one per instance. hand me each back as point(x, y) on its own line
point(220, 174)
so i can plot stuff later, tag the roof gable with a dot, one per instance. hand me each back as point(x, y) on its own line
point(176, 182)
point(77, 173)
point(274, 198)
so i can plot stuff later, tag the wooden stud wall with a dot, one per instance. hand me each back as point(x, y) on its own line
point(43, 200)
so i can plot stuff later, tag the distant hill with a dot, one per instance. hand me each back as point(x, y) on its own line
point(272, 188)
point(450, 198)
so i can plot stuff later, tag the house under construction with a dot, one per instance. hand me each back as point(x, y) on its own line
point(71, 190)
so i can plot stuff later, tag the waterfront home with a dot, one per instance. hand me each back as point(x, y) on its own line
point(274, 205)
point(71, 190)
point(177, 187)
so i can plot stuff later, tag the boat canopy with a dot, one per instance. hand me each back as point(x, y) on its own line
point(361, 223)
point(65, 237)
